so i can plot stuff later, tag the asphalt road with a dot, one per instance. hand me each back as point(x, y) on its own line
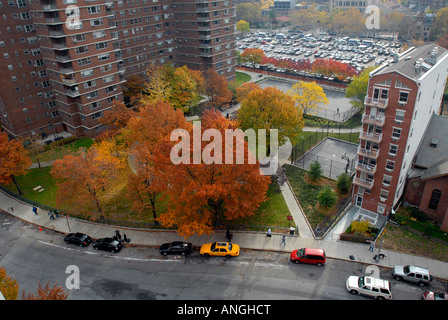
point(137, 273)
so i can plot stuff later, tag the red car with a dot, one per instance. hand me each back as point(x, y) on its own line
point(430, 295)
point(309, 255)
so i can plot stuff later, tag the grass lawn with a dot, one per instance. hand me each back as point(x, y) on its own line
point(34, 178)
point(242, 77)
point(54, 152)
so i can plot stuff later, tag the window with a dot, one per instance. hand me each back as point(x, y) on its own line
point(390, 165)
point(399, 116)
point(387, 180)
point(383, 195)
point(79, 37)
point(393, 149)
point(381, 208)
point(81, 50)
point(396, 133)
point(403, 97)
point(435, 198)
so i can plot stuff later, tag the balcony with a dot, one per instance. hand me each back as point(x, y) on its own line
point(371, 169)
point(367, 153)
point(72, 93)
point(368, 184)
point(373, 137)
point(376, 102)
point(371, 119)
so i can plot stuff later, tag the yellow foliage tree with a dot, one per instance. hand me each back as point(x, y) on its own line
point(308, 96)
point(8, 286)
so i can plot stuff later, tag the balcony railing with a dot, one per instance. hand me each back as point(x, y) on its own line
point(374, 137)
point(367, 152)
point(376, 102)
point(365, 167)
point(371, 119)
point(368, 184)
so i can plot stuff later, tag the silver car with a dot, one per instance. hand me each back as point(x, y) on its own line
point(412, 274)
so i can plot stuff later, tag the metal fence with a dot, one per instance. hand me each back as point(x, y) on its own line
point(330, 168)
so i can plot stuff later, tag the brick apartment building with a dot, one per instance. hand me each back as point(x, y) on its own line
point(64, 61)
point(402, 98)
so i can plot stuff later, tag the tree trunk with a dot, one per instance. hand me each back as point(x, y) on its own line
point(19, 190)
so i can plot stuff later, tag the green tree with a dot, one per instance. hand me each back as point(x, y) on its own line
point(344, 182)
point(243, 26)
point(315, 172)
point(358, 87)
point(327, 197)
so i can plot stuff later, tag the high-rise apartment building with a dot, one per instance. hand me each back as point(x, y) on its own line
point(64, 61)
point(402, 96)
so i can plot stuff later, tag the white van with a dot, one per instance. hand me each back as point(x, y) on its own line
point(369, 286)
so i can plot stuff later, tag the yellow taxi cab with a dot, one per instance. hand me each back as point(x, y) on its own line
point(220, 249)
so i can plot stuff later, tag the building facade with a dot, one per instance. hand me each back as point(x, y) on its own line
point(64, 61)
point(402, 97)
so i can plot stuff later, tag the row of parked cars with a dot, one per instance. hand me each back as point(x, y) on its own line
point(360, 285)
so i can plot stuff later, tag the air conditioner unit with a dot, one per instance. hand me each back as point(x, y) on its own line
point(383, 199)
point(401, 104)
point(386, 185)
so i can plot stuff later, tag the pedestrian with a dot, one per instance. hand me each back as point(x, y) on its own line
point(372, 246)
point(126, 239)
point(35, 210)
point(269, 234)
point(51, 215)
point(118, 235)
point(228, 235)
point(283, 241)
point(56, 213)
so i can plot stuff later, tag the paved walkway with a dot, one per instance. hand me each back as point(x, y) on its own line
point(247, 240)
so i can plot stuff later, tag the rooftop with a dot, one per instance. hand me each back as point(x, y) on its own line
point(414, 62)
point(433, 150)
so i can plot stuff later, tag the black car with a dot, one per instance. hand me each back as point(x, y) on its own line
point(176, 247)
point(107, 244)
point(78, 238)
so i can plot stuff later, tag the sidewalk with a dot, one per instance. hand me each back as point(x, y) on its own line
point(247, 240)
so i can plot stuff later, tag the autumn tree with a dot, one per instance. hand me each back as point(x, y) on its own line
point(14, 160)
point(47, 293)
point(181, 87)
point(216, 89)
point(134, 88)
point(9, 287)
point(308, 96)
point(144, 132)
point(243, 26)
point(116, 118)
point(82, 180)
point(271, 108)
point(243, 90)
point(202, 193)
point(254, 56)
point(439, 26)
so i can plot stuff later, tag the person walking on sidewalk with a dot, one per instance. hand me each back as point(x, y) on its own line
point(35, 210)
point(269, 234)
point(372, 246)
point(50, 213)
point(283, 241)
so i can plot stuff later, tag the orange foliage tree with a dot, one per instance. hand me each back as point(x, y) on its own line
point(47, 293)
point(83, 179)
point(8, 286)
point(116, 118)
point(153, 123)
point(199, 196)
point(254, 56)
point(216, 89)
point(14, 160)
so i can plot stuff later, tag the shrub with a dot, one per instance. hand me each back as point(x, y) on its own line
point(344, 182)
point(315, 172)
point(327, 197)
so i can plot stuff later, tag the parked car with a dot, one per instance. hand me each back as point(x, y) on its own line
point(176, 247)
point(369, 286)
point(78, 238)
point(220, 249)
point(430, 295)
point(309, 255)
point(412, 274)
point(107, 244)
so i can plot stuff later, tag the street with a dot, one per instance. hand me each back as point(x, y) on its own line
point(140, 273)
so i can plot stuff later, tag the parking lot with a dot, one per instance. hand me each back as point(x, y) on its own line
point(297, 46)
